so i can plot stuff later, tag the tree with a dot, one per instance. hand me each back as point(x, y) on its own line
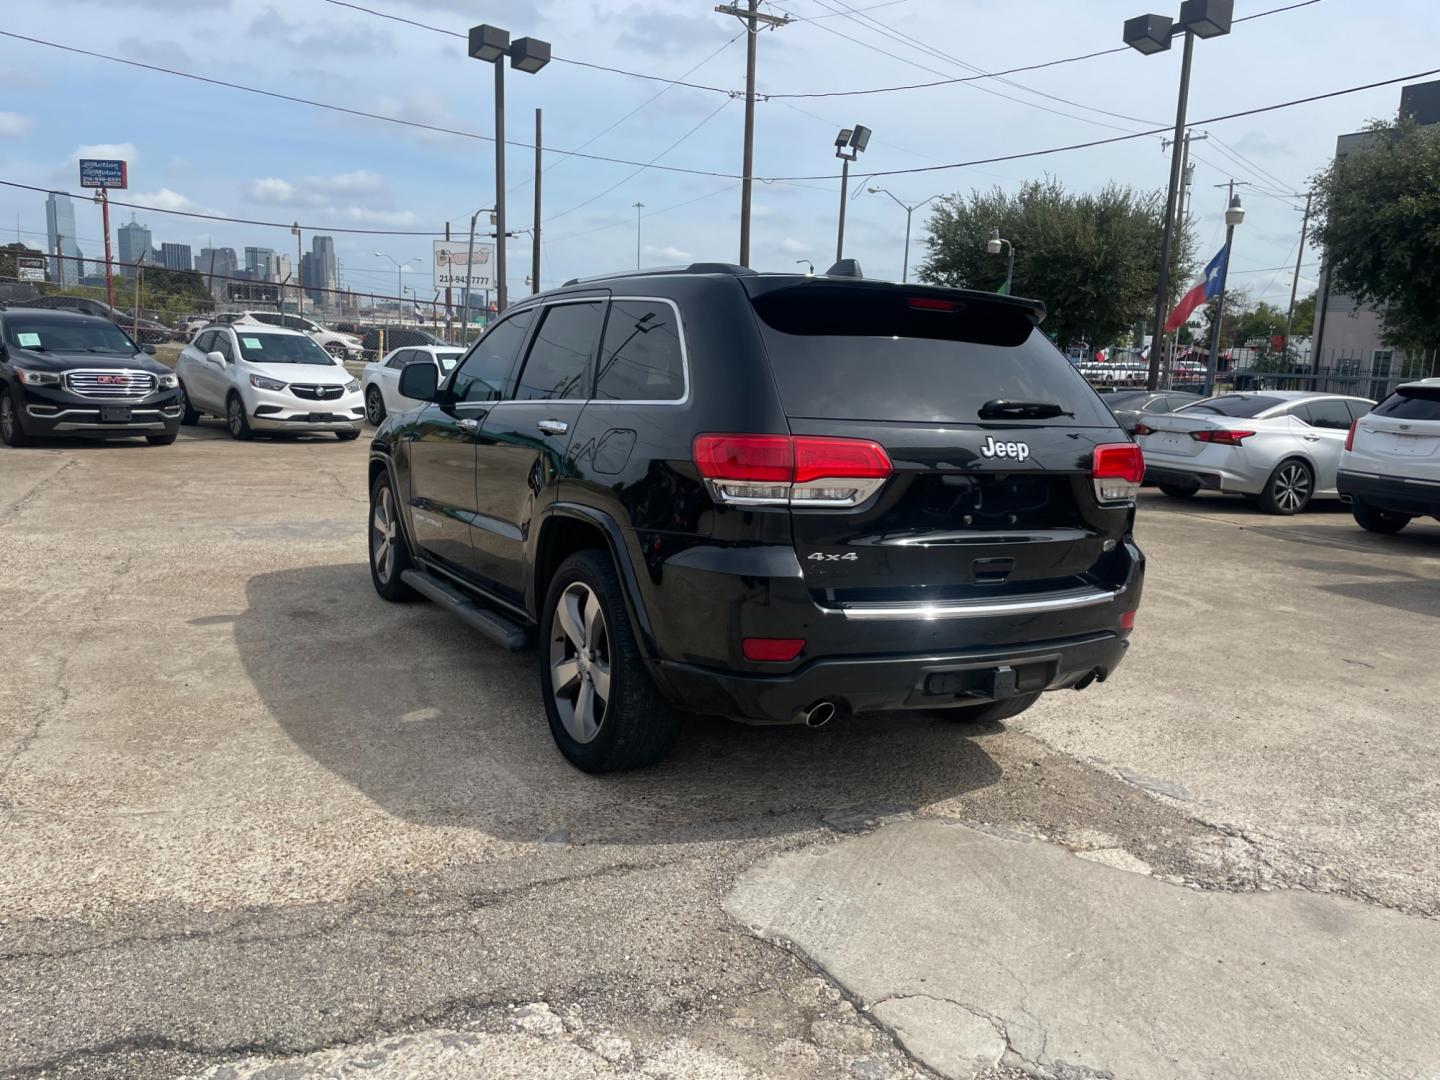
point(1092, 258)
point(9, 259)
point(1377, 212)
point(1304, 324)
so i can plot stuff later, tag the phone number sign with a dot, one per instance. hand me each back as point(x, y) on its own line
point(102, 173)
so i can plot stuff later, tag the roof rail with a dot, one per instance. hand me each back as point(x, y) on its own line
point(733, 269)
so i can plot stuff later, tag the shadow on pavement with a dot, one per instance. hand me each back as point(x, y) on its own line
point(436, 725)
point(1400, 595)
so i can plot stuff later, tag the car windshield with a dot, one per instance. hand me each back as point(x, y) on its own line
point(282, 349)
point(97, 336)
point(1245, 405)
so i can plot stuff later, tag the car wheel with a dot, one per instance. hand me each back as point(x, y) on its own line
point(1289, 488)
point(336, 350)
point(991, 712)
point(236, 420)
point(189, 416)
point(1373, 519)
point(389, 555)
point(605, 711)
point(159, 440)
point(10, 429)
point(374, 406)
point(1180, 491)
point(346, 436)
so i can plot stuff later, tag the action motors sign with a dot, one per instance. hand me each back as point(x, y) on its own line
point(450, 265)
point(103, 173)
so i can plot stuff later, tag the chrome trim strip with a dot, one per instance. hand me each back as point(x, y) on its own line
point(983, 609)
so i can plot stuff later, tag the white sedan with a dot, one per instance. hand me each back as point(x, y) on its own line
point(381, 378)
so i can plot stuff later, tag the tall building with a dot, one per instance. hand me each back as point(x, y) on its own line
point(60, 237)
point(217, 264)
point(134, 246)
point(309, 277)
point(326, 276)
point(260, 262)
point(175, 256)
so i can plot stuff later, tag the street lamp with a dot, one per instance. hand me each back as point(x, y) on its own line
point(527, 54)
point(1147, 35)
point(810, 266)
point(992, 246)
point(855, 140)
point(299, 279)
point(399, 280)
point(1234, 215)
point(469, 257)
point(905, 269)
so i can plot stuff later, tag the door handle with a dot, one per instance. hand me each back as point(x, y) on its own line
point(553, 427)
point(1312, 438)
point(469, 427)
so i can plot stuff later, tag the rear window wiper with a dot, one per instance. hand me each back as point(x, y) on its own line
point(1001, 409)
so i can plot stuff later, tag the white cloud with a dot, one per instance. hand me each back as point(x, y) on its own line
point(791, 246)
point(668, 253)
point(125, 151)
point(362, 185)
point(13, 124)
point(166, 199)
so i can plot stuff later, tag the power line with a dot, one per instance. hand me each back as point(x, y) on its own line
point(1254, 166)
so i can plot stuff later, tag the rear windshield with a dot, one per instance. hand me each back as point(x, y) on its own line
point(1234, 405)
point(1412, 403)
point(840, 352)
point(262, 348)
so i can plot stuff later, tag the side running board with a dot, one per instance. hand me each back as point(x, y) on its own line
point(500, 629)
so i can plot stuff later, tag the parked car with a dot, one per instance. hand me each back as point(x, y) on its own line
point(1282, 446)
point(380, 380)
point(1129, 405)
point(188, 324)
point(146, 331)
point(340, 346)
point(67, 374)
point(1390, 467)
point(394, 337)
point(267, 379)
point(773, 497)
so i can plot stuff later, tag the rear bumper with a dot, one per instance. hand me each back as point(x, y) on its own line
point(882, 683)
point(1397, 494)
point(1206, 477)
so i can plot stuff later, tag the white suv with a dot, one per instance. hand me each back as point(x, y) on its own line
point(267, 379)
point(1390, 467)
point(341, 346)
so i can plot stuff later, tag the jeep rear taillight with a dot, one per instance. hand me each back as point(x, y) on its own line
point(1117, 470)
point(791, 470)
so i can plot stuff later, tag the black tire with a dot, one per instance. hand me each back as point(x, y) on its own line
point(1373, 519)
point(336, 350)
point(160, 440)
point(1289, 489)
point(236, 420)
point(991, 711)
point(1180, 491)
point(346, 436)
point(374, 406)
point(384, 525)
point(10, 429)
point(634, 725)
point(189, 417)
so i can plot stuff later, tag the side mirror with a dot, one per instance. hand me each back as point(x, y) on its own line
point(148, 349)
point(216, 358)
point(420, 381)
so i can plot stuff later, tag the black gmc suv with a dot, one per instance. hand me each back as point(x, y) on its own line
point(764, 496)
point(66, 374)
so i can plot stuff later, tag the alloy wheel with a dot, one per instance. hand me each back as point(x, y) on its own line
point(233, 414)
point(374, 407)
point(382, 535)
point(580, 662)
point(1292, 487)
point(7, 419)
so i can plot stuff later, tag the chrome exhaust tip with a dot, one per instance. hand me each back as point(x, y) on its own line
point(819, 714)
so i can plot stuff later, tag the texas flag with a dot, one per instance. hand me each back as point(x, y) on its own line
point(1203, 291)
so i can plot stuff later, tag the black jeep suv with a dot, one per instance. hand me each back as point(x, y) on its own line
point(66, 374)
point(764, 496)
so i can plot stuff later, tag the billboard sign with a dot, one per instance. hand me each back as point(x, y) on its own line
point(30, 267)
point(450, 268)
point(103, 173)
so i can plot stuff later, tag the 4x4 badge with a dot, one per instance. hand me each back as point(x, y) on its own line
point(1017, 450)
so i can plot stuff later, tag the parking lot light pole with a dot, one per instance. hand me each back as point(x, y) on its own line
point(1147, 35)
point(399, 280)
point(1234, 215)
point(492, 45)
point(992, 246)
point(909, 210)
point(854, 140)
point(299, 279)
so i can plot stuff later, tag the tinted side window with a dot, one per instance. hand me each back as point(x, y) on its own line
point(205, 342)
point(266, 318)
point(1325, 414)
point(222, 346)
point(1412, 403)
point(484, 374)
point(1362, 408)
point(641, 357)
point(396, 361)
point(1158, 404)
point(559, 362)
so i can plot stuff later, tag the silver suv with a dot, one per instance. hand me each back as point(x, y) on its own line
point(1390, 467)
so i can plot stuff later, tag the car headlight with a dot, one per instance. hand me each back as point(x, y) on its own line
point(352, 386)
point(38, 378)
point(262, 383)
point(169, 382)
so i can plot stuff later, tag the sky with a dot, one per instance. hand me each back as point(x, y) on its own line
point(217, 150)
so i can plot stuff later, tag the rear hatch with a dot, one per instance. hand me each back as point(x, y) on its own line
point(1404, 431)
point(982, 503)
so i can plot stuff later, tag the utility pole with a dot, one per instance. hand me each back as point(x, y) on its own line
point(1162, 286)
point(1299, 255)
point(449, 311)
point(638, 207)
point(752, 19)
point(535, 238)
point(1182, 215)
point(105, 224)
point(135, 322)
